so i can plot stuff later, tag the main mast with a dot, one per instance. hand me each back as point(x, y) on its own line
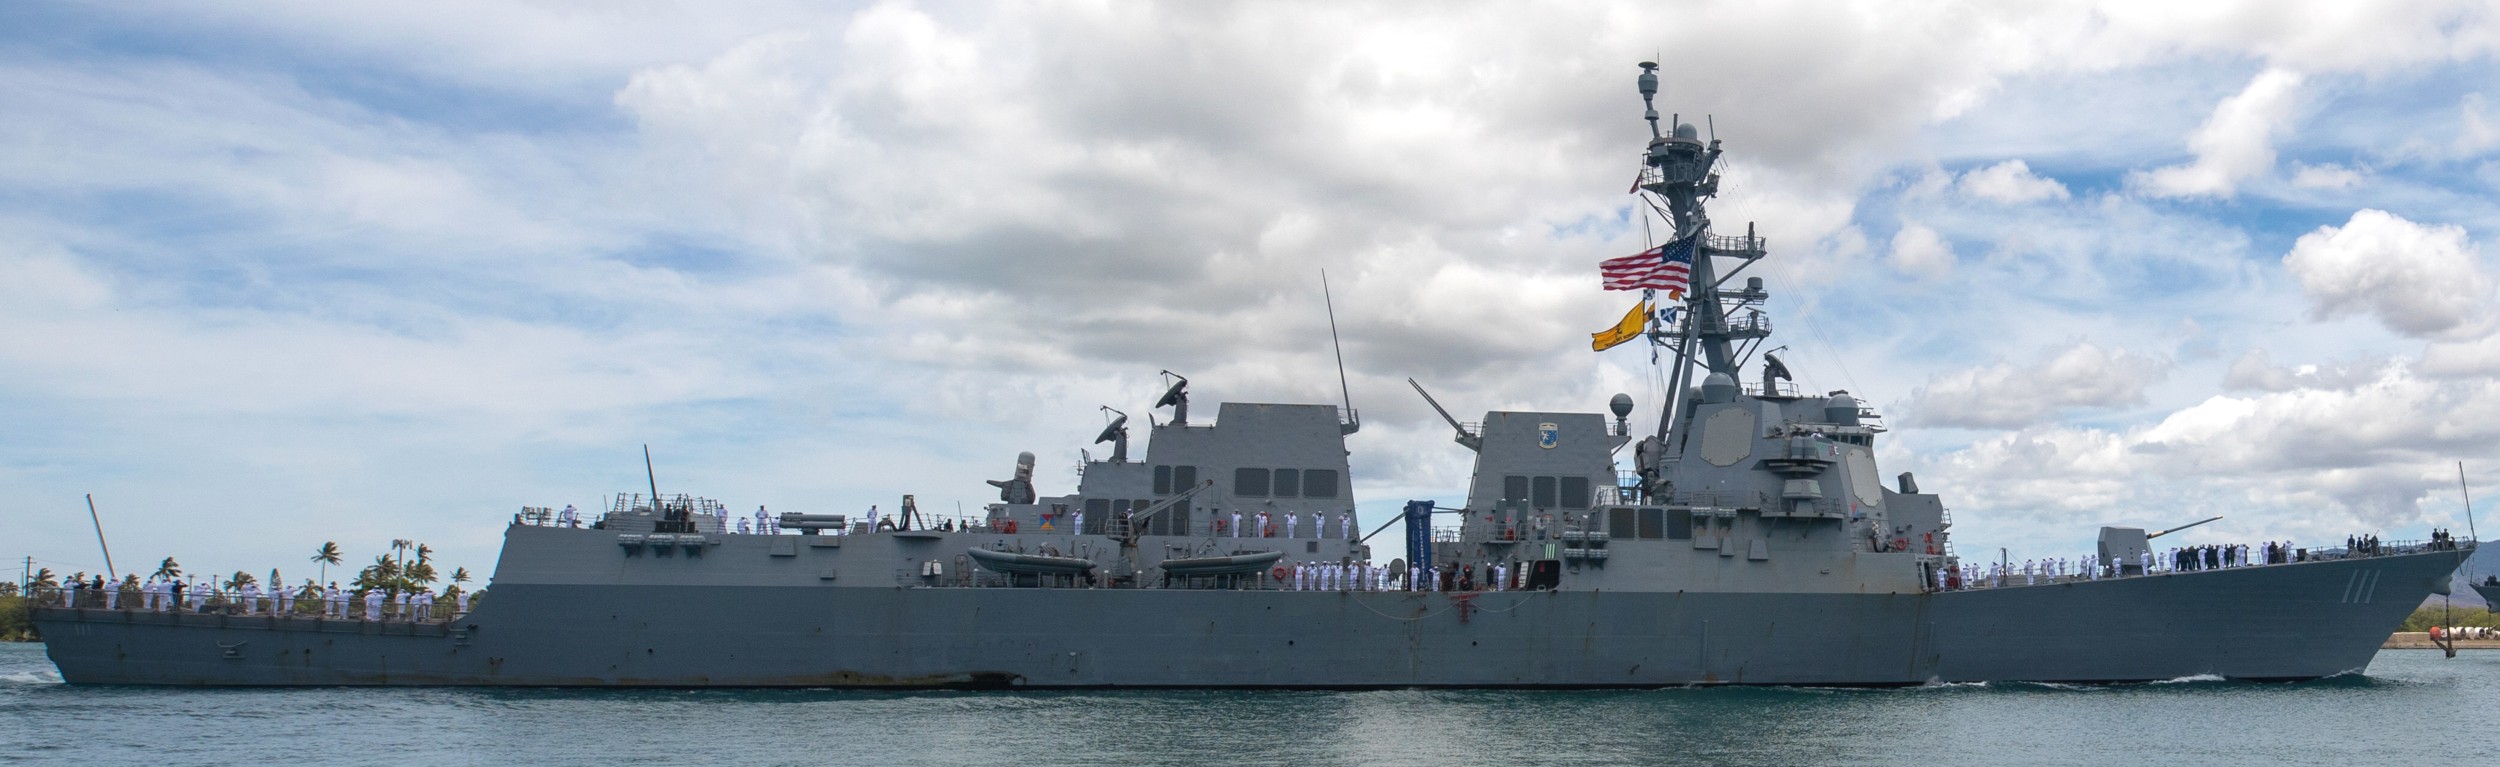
point(1678, 174)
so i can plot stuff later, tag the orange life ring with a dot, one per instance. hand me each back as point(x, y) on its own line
point(1281, 573)
point(1900, 544)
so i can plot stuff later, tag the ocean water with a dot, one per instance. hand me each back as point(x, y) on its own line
point(2411, 706)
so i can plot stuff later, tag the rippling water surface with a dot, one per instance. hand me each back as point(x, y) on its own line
point(2411, 707)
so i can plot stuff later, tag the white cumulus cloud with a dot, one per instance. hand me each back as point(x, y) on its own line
point(2004, 395)
point(2235, 144)
point(2010, 182)
point(1919, 250)
point(2326, 176)
point(2420, 281)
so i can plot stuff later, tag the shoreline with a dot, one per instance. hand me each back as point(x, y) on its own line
point(2421, 640)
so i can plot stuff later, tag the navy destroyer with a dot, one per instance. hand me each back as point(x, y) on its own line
point(1747, 539)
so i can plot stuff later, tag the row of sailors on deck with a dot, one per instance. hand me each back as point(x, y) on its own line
point(1365, 576)
point(168, 595)
point(1260, 525)
point(2093, 567)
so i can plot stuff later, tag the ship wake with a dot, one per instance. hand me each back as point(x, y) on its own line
point(31, 678)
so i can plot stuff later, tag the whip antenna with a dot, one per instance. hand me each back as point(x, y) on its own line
point(2469, 505)
point(1353, 421)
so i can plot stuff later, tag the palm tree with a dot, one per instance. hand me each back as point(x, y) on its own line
point(240, 580)
point(382, 574)
point(459, 575)
point(327, 555)
point(43, 579)
point(168, 570)
point(424, 553)
point(419, 574)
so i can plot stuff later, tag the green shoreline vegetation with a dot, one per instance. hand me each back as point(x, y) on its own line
point(14, 625)
point(2461, 616)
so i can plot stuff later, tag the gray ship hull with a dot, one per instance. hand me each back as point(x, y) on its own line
point(2283, 622)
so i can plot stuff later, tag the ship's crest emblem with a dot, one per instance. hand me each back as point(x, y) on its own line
point(1548, 435)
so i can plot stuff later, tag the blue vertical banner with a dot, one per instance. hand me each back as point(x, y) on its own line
point(1419, 533)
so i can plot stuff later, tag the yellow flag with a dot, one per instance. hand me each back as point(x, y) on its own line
point(1630, 328)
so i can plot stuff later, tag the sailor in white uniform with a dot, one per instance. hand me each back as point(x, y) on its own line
point(462, 604)
point(1290, 519)
point(373, 604)
point(1236, 528)
point(1076, 522)
point(425, 605)
point(113, 597)
point(286, 601)
point(744, 527)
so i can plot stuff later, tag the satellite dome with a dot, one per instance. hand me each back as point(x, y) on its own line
point(1719, 387)
point(1841, 409)
point(1686, 130)
point(1621, 404)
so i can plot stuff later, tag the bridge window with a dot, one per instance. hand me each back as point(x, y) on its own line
point(1543, 497)
point(1288, 483)
point(1514, 489)
point(1653, 523)
point(1619, 522)
point(1680, 525)
point(1163, 480)
point(1319, 483)
point(1250, 483)
point(1184, 478)
point(1575, 492)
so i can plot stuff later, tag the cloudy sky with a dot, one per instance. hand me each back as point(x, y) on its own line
point(279, 273)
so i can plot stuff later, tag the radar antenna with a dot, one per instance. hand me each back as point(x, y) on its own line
point(1116, 434)
point(1176, 398)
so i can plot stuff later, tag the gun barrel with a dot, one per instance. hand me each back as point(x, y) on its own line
point(2181, 527)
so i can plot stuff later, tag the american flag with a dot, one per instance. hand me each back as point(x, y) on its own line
point(1667, 267)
